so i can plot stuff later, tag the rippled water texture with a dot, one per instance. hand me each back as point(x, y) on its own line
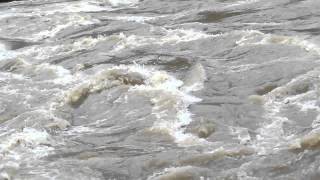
point(160, 90)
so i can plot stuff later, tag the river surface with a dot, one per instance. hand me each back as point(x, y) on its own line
point(160, 90)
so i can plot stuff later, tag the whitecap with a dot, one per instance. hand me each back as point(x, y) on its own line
point(170, 106)
point(170, 101)
point(73, 20)
point(123, 2)
point(254, 37)
point(171, 36)
point(242, 2)
point(44, 52)
point(31, 139)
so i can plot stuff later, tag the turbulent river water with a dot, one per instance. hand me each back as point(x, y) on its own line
point(160, 89)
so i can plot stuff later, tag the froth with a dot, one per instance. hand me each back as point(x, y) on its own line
point(139, 19)
point(4, 53)
point(254, 37)
point(171, 36)
point(243, 2)
point(74, 7)
point(72, 20)
point(173, 173)
point(123, 2)
point(170, 101)
point(45, 52)
point(32, 140)
point(39, 72)
point(170, 106)
point(301, 92)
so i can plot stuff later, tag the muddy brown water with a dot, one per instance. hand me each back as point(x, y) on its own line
point(160, 90)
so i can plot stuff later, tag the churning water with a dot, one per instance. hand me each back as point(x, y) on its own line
point(160, 89)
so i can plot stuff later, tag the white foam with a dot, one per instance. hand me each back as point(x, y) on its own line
point(316, 123)
point(4, 53)
point(73, 20)
point(51, 73)
point(307, 105)
point(12, 12)
point(170, 101)
point(170, 106)
point(184, 35)
point(75, 7)
point(50, 33)
point(45, 52)
point(63, 76)
point(271, 136)
point(53, 8)
point(242, 134)
point(2, 47)
point(31, 139)
point(170, 170)
point(243, 2)
point(170, 37)
point(123, 2)
point(4, 76)
point(254, 37)
point(80, 129)
point(248, 36)
point(17, 147)
point(139, 19)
